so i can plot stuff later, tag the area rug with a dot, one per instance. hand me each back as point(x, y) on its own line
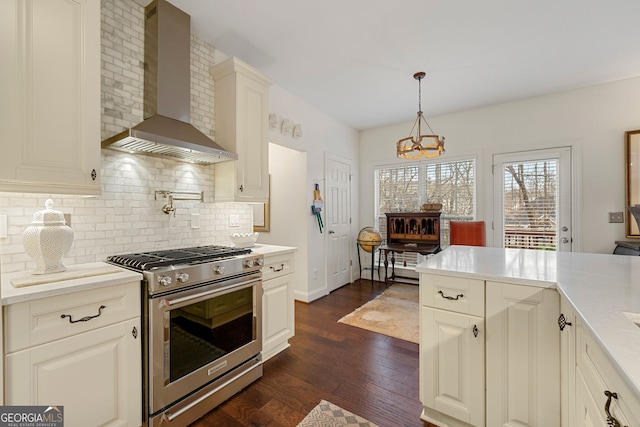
point(326, 414)
point(394, 312)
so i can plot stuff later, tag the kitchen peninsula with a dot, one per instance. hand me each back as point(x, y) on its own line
point(558, 331)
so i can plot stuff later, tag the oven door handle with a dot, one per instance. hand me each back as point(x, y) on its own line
point(170, 416)
point(204, 295)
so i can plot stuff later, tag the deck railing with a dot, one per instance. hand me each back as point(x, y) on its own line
point(531, 239)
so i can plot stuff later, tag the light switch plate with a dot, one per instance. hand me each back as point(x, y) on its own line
point(234, 220)
point(616, 217)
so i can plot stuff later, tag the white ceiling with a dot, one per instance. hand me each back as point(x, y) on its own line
point(355, 59)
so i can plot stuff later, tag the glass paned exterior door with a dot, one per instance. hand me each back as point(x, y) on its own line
point(533, 203)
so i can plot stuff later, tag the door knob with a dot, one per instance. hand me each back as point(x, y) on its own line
point(564, 228)
point(564, 240)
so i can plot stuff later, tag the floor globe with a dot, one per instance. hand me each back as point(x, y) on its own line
point(369, 239)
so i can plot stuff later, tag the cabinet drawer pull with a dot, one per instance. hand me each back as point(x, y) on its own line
point(450, 298)
point(611, 420)
point(276, 269)
point(85, 318)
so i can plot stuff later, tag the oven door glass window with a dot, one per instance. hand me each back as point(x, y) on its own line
point(205, 331)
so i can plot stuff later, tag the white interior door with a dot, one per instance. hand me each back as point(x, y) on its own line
point(338, 222)
point(532, 200)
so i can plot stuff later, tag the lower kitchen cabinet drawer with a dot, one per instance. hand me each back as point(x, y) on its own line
point(590, 408)
point(96, 376)
point(277, 265)
point(45, 320)
point(457, 294)
point(595, 376)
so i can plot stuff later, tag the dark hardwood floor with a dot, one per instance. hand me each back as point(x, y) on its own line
point(369, 374)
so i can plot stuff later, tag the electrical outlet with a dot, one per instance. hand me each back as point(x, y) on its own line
point(3, 226)
point(234, 220)
point(195, 220)
point(616, 217)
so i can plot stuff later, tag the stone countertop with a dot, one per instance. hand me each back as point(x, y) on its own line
point(85, 276)
point(76, 278)
point(600, 288)
point(272, 249)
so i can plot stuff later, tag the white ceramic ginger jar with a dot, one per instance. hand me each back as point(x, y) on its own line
point(48, 240)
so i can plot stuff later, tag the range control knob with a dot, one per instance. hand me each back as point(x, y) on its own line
point(260, 262)
point(182, 277)
point(164, 280)
point(248, 263)
point(218, 269)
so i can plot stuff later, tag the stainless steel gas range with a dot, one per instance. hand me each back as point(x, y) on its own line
point(202, 321)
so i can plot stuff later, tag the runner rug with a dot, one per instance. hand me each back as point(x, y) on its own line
point(326, 414)
point(395, 313)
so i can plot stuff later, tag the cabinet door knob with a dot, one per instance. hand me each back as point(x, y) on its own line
point(562, 322)
point(475, 331)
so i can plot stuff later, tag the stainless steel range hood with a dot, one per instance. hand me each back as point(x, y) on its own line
point(166, 130)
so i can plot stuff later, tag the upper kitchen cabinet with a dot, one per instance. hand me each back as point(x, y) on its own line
point(50, 104)
point(242, 126)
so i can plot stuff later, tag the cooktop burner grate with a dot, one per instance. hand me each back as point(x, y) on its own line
point(149, 260)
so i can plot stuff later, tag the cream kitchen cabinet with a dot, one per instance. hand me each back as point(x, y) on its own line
point(523, 355)
point(50, 104)
point(80, 350)
point(567, 324)
point(278, 322)
point(241, 126)
point(452, 343)
point(489, 353)
point(601, 395)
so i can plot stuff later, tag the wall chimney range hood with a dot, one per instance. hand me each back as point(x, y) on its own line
point(166, 130)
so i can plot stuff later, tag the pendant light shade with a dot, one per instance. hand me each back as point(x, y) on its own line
point(416, 146)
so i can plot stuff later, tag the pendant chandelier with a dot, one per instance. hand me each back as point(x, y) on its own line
point(415, 146)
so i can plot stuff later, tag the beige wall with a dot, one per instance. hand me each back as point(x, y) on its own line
point(591, 120)
point(322, 135)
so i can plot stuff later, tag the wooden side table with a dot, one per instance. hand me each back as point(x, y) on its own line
point(399, 248)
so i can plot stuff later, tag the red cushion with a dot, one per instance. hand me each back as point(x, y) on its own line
point(470, 233)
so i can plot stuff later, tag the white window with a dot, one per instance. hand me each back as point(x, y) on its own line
point(405, 188)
